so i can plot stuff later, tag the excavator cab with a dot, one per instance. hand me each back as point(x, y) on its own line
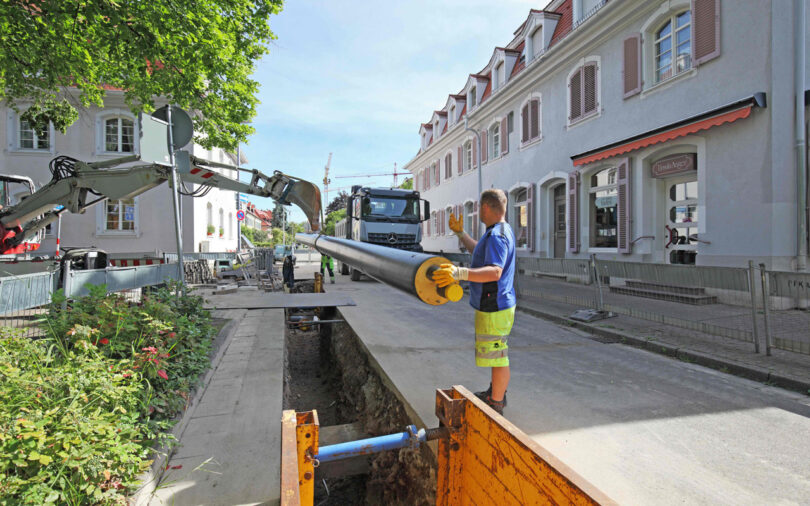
point(13, 189)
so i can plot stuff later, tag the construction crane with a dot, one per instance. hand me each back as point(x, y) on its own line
point(395, 174)
point(326, 181)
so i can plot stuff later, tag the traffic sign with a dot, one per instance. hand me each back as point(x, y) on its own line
point(240, 215)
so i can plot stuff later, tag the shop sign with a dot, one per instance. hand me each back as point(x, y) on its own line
point(674, 164)
point(606, 202)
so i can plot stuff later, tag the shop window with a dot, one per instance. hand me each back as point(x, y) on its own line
point(683, 219)
point(603, 209)
point(519, 217)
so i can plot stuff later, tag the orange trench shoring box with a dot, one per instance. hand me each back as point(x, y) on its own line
point(484, 459)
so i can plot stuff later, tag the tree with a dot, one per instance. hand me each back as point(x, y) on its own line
point(198, 54)
point(279, 214)
point(338, 202)
point(332, 219)
point(407, 184)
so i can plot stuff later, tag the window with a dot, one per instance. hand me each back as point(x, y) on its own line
point(468, 218)
point(31, 139)
point(537, 42)
point(436, 130)
point(209, 221)
point(119, 135)
point(673, 46)
point(471, 98)
point(468, 155)
point(519, 217)
point(447, 212)
point(120, 215)
point(222, 222)
point(530, 117)
point(448, 166)
point(603, 209)
point(495, 140)
point(497, 76)
point(451, 118)
point(583, 92)
point(434, 223)
point(510, 122)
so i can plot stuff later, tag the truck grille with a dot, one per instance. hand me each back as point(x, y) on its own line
point(383, 239)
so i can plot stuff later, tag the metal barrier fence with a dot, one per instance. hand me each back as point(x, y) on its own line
point(720, 301)
point(23, 299)
point(228, 255)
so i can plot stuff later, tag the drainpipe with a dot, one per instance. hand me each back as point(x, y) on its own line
point(481, 226)
point(801, 135)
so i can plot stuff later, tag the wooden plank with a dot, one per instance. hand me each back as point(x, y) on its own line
point(289, 460)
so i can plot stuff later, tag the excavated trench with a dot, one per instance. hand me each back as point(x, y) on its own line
point(329, 370)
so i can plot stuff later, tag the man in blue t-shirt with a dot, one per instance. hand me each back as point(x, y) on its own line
point(492, 291)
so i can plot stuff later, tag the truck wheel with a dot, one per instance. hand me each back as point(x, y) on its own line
point(344, 269)
point(356, 275)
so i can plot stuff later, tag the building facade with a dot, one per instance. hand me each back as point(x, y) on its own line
point(654, 131)
point(143, 225)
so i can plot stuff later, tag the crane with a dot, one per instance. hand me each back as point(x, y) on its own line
point(326, 180)
point(395, 174)
point(78, 185)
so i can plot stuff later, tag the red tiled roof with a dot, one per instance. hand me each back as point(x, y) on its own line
point(565, 23)
point(520, 64)
point(427, 125)
point(440, 113)
point(445, 128)
point(487, 90)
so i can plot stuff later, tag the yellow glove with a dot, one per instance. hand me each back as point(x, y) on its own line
point(447, 274)
point(457, 225)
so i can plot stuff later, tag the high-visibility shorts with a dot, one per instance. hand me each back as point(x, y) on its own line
point(491, 332)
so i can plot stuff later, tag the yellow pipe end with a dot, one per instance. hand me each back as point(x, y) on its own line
point(454, 292)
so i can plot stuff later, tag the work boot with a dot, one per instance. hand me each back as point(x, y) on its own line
point(486, 396)
point(332, 280)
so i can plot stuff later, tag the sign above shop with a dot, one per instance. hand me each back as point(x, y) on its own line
point(674, 164)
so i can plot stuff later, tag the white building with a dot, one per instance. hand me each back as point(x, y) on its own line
point(143, 225)
point(645, 130)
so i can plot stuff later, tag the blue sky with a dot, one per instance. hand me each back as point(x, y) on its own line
point(357, 78)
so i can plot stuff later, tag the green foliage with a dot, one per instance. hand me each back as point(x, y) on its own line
point(338, 202)
point(279, 216)
point(83, 407)
point(199, 54)
point(407, 184)
point(210, 229)
point(332, 219)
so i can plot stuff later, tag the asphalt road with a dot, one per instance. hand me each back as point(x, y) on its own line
point(645, 429)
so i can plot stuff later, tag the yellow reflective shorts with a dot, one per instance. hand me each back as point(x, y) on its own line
point(491, 331)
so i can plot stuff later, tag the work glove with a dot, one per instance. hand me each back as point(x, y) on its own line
point(447, 274)
point(457, 225)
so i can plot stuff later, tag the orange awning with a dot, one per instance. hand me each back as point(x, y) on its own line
point(667, 135)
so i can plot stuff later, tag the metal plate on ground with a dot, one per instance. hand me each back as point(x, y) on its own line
point(259, 300)
point(590, 315)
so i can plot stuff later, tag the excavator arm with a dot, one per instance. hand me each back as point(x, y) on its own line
point(77, 186)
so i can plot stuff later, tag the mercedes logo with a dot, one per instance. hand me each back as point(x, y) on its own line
point(392, 238)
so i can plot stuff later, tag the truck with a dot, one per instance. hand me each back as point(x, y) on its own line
point(385, 216)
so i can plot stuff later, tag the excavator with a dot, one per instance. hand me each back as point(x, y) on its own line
point(75, 186)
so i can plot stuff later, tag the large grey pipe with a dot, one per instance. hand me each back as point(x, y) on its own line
point(801, 134)
point(406, 270)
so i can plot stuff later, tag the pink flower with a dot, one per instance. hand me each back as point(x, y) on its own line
point(150, 349)
point(104, 340)
point(172, 335)
point(163, 374)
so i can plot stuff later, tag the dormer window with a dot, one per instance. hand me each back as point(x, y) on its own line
point(436, 129)
point(471, 98)
point(537, 42)
point(452, 117)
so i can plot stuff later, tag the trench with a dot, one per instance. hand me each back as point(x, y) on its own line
point(329, 370)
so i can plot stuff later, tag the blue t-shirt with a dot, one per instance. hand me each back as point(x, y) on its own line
point(497, 247)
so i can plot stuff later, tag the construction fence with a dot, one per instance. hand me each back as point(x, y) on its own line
point(768, 309)
point(24, 299)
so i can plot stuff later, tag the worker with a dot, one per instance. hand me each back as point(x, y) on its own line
point(326, 263)
point(492, 292)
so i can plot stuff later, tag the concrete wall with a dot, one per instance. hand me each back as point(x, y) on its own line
point(746, 169)
point(154, 213)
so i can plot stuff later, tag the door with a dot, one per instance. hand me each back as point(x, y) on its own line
point(559, 221)
point(680, 227)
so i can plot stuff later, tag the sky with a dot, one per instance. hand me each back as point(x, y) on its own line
point(357, 78)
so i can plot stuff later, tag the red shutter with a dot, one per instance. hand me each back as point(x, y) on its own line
point(573, 212)
point(589, 92)
point(524, 114)
point(484, 147)
point(416, 181)
point(475, 153)
point(460, 159)
point(475, 221)
point(631, 66)
point(534, 122)
point(624, 207)
point(531, 211)
point(705, 30)
point(575, 91)
point(436, 170)
point(504, 137)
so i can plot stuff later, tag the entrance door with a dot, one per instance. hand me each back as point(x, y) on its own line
point(681, 220)
point(559, 221)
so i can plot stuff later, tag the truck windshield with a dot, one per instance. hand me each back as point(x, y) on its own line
point(388, 207)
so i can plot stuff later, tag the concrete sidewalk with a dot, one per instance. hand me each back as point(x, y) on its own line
point(643, 428)
point(229, 451)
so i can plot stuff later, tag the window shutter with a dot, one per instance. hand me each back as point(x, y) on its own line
point(573, 212)
point(475, 221)
point(460, 159)
point(475, 153)
point(531, 210)
point(624, 207)
point(589, 89)
point(484, 147)
point(534, 122)
point(436, 170)
point(504, 137)
point(575, 92)
point(427, 178)
point(524, 114)
point(416, 181)
point(631, 67)
point(705, 31)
